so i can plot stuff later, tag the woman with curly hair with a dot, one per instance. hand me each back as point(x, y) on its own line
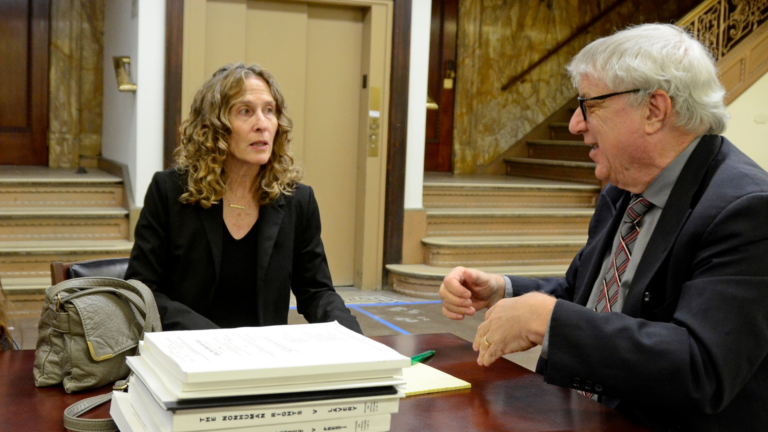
point(226, 235)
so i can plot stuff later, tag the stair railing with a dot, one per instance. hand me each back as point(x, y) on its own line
point(721, 24)
point(736, 32)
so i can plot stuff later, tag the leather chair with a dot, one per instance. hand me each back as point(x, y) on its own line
point(110, 267)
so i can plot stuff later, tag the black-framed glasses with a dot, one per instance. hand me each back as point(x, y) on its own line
point(583, 100)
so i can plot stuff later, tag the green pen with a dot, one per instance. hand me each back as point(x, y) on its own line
point(419, 358)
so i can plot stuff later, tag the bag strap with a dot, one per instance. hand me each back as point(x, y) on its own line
point(72, 423)
point(71, 414)
point(152, 320)
point(91, 284)
point(127, 295)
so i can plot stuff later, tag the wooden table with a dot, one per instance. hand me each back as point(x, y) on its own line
point(504, 396)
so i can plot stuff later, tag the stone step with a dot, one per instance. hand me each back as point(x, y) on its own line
point(25, 174)
point(501, 250)
point(63, 223)
point(559, 150)
point(12, 285)
point(31, 186)
point(57, 195)
point(32, 259)
point(507, 222)
point(519, 192)
point(424, 281)
point(582, 172)
point(559, 131)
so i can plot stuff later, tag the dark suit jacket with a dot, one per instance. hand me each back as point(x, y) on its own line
point(689, 349)
point(177, 253)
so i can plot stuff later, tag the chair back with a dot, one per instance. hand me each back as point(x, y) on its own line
point(110, 267)
point(7, 342)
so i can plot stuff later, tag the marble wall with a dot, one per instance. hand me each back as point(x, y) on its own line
point(498, 39)
point(75, 82)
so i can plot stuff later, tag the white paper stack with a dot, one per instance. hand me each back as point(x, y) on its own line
point(313, 377)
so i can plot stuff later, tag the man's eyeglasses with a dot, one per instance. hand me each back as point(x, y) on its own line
point(583, 100)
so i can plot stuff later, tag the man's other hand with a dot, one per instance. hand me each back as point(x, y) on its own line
point(513, 325)
point(465, 291)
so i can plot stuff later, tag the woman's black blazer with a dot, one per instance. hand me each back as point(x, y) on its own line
point(177, 253)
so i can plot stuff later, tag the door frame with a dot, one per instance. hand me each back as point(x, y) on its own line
point(397, 128)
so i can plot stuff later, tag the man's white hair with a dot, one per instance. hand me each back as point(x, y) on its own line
point(658, 56)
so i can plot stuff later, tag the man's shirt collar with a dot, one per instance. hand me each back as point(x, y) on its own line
point(658, 191)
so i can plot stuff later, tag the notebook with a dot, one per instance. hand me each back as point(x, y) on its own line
point(422, 379)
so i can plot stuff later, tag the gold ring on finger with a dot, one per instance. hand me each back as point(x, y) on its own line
point(485, 341)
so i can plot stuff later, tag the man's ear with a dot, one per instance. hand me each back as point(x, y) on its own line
point(659, 111)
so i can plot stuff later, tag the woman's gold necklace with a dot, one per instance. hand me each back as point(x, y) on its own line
point(237, 206)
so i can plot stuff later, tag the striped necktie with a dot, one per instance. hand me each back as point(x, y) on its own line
point(629, 230)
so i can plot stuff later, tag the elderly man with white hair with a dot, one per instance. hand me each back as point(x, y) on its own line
point(663, 315)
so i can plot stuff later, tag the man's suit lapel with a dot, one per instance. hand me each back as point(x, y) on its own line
point(268, 225)
point(603, 245)
point(213, 222)
point(672, 218)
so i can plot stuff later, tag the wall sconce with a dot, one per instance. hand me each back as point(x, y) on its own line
point(124, 83)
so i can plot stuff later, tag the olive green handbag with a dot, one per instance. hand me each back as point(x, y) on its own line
point(87, 328)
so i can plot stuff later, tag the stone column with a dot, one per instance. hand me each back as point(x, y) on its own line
point(75, 91)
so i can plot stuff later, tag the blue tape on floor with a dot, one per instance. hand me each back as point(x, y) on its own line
point(385, 322)
point(390, 304)
point(397, 303)
point(381, 320)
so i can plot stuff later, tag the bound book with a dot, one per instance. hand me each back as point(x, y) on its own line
point(130, 418)
point(295, 353)
point(123, 414)
point(223, 417)
point(179, 390)
point(180, 387)
point(167, 400)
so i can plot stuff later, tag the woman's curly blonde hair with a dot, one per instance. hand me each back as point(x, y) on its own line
point(204, 140)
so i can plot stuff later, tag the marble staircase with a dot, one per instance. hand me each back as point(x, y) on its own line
point(555, 154)
point(51, 215)
point(503, 224)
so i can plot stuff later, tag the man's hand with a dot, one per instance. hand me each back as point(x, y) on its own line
point(513, 325)
point(465, 291)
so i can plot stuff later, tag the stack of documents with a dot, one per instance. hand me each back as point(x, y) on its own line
point(313, 377)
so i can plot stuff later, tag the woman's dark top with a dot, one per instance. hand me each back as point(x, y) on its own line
point(234, 301)
point(178, 253)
